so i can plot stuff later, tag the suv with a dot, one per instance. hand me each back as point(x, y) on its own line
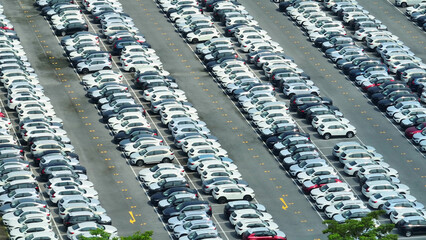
point(155, 154)
point(370, 188)
point(79, 217)
point(186, 207)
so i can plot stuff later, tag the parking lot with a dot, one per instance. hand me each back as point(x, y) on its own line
point(120, 192)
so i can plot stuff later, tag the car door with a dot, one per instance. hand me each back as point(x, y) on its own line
point(149, 157)
point(422, 226)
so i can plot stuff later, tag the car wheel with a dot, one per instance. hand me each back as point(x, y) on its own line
point(291, 95)
point(247, 198)
point(327, 136)
point(221, 200)
point(166, 160)
point(408, 233)
point(315, 93)
point(350, 135)
point(63, 33)
point(139, 163)
point(132, 69)
point(404, 5)
point(195, 40)
point(85, 71)
point(380, 206)
point(106, 68)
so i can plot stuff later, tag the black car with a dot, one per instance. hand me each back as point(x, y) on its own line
point(157, 197)
point(301, 110)
point(114, 112)
point(195, 205)
point(37, 157)
point(167, 183)
point(119, 45)
point(136, 137)
point(8, 187)
point(79, 217)
point(375, 98)
point(239, 205)
point(409, 226)
point(371, 91)
point(46, 172)
point(91, 55)
point(385, 103)
point(301, 99)
point(71, 28)
point(272, 140)
point(211, 64)
point(21, 203)
point(134, 132)
point(354, 65)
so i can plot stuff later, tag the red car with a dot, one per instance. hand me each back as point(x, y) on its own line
point(319, 181)
point(376, 82)
point(409, 132)
point(263, 234)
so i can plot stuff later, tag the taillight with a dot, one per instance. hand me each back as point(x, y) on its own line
point(367, 190)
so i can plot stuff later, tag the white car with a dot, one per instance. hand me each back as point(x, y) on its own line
point(408, 113)
point(240, 215)
point(329, 188)
point(215, 164)
point(331, 129)
point(246, 224)
point(219, 152)
point(339, 207)
point(159, 175)
point(202, 35)
point(226, 192)
point(322, 202)
point(370, 169)
point(58, 193)
point(19, 233)
point(149, 172)
point(377, 200)
point(315, 171)
point(401, 213)
point(321, 119)
point(209, 174)
point(12, 218)
point(198, 142)
point(370, 188)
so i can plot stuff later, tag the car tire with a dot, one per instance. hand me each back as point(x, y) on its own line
point(63, 33)
point(195, 40)
point(380, 206)
point(404, 5)
point(247, 198)
point(291, 95)
point(132, 69)
point(85, 71)
point(315, 93)
point(350, 134)
point(221, 200)
point(106, 68)
point(327, 136)
point(166, 160)
point(140, 163)
point(408, 233)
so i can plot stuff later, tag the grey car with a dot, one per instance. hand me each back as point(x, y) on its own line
point(195, 225)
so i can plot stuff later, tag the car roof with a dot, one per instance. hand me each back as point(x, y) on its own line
point(381, 182)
